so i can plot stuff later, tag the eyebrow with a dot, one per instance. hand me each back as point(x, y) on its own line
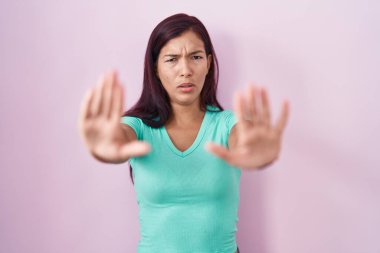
point(194, 52)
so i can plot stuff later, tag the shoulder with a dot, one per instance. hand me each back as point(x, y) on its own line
point(225, 117)
point(130, 120)
point(135, 123)
point(224, 120)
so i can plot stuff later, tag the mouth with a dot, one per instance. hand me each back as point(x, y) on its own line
point(186, 87)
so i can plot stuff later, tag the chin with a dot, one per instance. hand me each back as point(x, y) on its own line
point(185, 102)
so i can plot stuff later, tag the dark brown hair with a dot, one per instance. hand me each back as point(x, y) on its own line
point(153, 106)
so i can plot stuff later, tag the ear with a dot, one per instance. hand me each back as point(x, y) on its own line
point(209, 61)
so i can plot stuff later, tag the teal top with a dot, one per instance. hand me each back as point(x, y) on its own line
point(188, 201)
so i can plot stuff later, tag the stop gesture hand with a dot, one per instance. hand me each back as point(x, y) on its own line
point(99, 123)
point(253, 142)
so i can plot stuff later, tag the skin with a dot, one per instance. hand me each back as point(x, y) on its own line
point(183, 60)
point(254, 142)
point(99, 124)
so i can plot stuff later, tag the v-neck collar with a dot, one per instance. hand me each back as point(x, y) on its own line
point(196, 142)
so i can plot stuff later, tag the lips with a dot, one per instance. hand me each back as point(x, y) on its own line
point(185, 85)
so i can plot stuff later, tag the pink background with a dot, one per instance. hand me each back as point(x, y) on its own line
point(324, 56)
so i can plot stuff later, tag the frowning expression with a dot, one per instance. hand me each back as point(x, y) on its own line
point(182, 66)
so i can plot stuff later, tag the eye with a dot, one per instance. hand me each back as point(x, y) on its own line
point(171, 60)
point(197, 57)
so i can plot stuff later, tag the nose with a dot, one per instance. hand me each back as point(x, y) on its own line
point(185, 69)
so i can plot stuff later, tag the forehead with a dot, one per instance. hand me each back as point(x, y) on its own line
point(188, 40)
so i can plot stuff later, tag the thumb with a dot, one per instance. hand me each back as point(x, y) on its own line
point(218, 150)
point(135, 148)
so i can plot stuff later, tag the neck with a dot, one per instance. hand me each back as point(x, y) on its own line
point(185, 115)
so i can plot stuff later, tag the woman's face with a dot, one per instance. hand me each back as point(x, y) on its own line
point(182, 66)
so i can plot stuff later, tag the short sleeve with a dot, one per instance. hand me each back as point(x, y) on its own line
point(135, 123)
point(230, 120)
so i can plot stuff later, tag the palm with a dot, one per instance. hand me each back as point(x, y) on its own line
point(100, 126)
point(256, 145)
point(105, 136)
point(255, 141)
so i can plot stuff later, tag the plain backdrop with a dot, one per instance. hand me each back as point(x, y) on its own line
point(322, 195)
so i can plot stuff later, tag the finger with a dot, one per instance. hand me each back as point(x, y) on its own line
point(134, 148)
point(85, 111)
point(219, 151)
point(118, 102)
point(259, 120)
point(96, 102)
point(265, 108)
point(251, 103)
point(238, 109)
point(280, 125)
point(107, 94)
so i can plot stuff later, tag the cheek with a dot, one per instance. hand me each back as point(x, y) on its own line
point(203, 69)
point(167, 76)
point(204, 74)
point(166, 80)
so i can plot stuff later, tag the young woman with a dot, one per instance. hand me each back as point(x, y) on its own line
point(185, 152)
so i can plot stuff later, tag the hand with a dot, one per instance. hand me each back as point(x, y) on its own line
point(255, 142)
point(100, 126)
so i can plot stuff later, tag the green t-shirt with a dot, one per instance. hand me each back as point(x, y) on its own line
point(188, 201)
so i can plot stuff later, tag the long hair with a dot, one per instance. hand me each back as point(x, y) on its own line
point(153, 106)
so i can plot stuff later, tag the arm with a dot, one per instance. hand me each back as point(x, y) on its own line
point(129, 132)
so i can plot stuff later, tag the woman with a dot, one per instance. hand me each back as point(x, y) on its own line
point(188, 198)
